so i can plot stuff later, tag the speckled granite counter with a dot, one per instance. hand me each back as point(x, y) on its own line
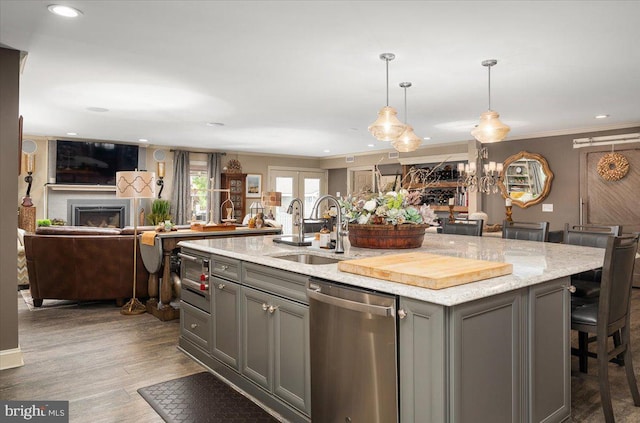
point(533, 263)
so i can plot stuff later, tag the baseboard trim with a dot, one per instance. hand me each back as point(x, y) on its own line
point(11, 358)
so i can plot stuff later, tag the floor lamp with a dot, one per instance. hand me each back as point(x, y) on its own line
point(135, 184)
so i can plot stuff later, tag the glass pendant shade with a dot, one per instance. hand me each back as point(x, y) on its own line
point(490, 129)
point(407, 142)
point(387, 127)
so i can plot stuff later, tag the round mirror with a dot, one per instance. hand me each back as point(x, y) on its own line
point(159, 155)
point(29, 146)
point(526, 179)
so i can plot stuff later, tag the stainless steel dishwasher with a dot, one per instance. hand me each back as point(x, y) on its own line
point(353, 354)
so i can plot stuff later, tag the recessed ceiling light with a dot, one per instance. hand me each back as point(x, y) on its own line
point(327, 151)
point(426, 138)
point(72, 133)
point(66, 11)
point(97, 109)
point(215, 124)
point(370, 145)
point(602, 116)
point(143, 140)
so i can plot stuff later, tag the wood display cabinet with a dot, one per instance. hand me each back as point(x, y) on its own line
point(438, 187)
point(235, 183)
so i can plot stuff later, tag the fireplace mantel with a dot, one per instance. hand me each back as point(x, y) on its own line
point(85, 188)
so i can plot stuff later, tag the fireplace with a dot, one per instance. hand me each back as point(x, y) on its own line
point(98, 213)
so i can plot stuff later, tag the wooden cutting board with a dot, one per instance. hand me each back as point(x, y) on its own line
point(426, 270)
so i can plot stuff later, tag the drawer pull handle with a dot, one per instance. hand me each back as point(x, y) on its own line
point(265, 306)
point(272, 309)
point(571, 288)
point(224, 267)
point(194, 325)
point(402, 314)
point(221, 286)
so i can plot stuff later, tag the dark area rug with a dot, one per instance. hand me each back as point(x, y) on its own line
point(202, 398)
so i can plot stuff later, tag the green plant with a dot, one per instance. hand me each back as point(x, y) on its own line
point(43, 222)
point(160, 211)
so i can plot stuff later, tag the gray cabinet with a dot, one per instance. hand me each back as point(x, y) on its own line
point(499, 359)
point(225, 337)
point(422, 352)
point(549, 367)
point(275, 342)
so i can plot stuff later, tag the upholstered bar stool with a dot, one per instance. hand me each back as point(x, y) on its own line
point(610, 316)
point(467, 227)
point(526, 231)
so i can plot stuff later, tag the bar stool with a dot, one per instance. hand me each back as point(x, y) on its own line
point(609, 316)
point(467, 227)
point(527, 231)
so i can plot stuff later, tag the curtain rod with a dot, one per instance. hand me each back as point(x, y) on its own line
point(201, 152)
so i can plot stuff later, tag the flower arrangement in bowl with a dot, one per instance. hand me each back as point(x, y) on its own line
point(387, 220)
point(391, 208)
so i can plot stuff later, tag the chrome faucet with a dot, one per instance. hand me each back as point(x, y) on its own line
point(299, 219)
point(340, 233)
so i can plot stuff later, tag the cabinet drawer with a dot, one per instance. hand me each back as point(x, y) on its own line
point(195, 325)
point(280, 282)
point(225, 267)
point(196, 299)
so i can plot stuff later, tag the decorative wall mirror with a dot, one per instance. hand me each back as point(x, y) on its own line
point(526, 179)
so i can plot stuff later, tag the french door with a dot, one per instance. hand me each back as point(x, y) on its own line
point(306, 184)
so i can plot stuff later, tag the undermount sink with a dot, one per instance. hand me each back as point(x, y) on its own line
point(305, 258)
point(293, 240)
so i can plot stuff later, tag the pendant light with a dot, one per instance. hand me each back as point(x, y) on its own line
point(387, 127)
point(490, 128)
point(407, 141)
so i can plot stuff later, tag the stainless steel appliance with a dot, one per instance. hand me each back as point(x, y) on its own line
point(195, 281)
point(353, 354)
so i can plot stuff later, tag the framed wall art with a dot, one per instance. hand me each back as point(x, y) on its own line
point(254, 185)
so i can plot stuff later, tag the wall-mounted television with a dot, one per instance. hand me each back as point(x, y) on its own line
point(94, 163)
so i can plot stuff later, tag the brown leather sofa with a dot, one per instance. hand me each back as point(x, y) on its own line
point(83, 264)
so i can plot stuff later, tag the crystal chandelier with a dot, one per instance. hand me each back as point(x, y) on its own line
point(490, 128)
point(407, 141)
point(478, 176)
point(387, 127)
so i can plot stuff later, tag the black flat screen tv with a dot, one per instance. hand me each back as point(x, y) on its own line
point(94, 163)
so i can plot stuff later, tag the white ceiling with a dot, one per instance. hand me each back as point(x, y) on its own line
point(303, 77)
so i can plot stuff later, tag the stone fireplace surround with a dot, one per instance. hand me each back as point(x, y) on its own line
point(60, 200)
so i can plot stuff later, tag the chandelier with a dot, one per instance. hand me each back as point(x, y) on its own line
point(387, 127)
point(479, 176)
point(490, 128)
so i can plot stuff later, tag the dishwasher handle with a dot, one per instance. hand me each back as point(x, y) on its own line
point(351, 305)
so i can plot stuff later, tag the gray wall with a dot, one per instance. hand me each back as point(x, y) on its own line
point(564, 162)
point(9, 91)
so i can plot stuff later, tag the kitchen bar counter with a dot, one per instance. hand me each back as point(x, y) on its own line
point(496, 350)
point(533, 263)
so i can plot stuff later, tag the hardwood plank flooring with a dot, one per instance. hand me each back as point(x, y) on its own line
point(96, 358)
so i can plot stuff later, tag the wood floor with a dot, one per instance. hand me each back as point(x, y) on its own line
point(96, 358)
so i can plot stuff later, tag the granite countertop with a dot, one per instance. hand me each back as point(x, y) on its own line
point(533, 262)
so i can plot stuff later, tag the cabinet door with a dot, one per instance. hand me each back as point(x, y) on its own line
point(225, 345)
point(486, 360)
point(257, 338)
point(292, 372)
point(422, 371)
point(549, 369)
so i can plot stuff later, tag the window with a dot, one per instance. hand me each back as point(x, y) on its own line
point(199, 176)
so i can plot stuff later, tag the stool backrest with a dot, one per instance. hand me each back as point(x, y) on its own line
point(617, 279)
point(527, 231)
point(590, 235)
point(473, 227)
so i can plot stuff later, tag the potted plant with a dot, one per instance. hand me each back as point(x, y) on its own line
point(160, 211)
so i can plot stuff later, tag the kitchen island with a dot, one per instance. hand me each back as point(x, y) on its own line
point(493, 350)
